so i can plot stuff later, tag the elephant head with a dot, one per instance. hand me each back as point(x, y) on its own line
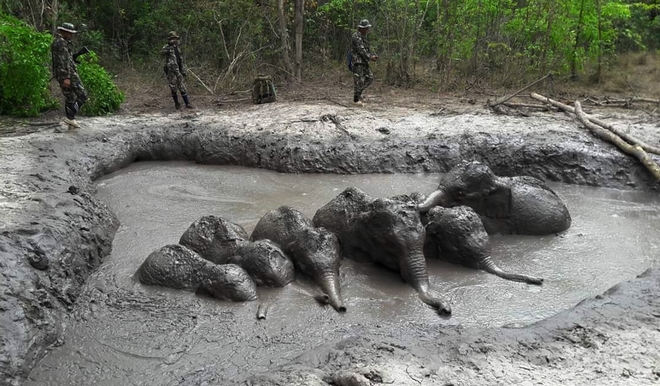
point(265, 262)
point(473, 184)
point(457, 235)
point(313, 251)
point(386, 231)
point(214, 238)
point(523, 205)
point(177, 266)
point(316, 252)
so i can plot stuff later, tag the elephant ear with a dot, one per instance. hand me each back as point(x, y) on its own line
point(498, 202)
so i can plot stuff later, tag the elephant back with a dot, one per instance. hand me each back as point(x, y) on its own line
point(535, 208)
point(214, 238)
point(281, 226)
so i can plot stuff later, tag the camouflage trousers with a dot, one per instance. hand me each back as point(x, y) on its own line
point(74, 97)
point(362, 78)
point(175, 81)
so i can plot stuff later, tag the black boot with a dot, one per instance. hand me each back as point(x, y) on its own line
point(185, 99)
point(177, 105)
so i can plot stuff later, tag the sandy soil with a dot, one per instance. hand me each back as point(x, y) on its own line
point(54, 232)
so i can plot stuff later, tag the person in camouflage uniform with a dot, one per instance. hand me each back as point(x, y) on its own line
point(174, 69)
point(66, 73)
point(361, 55)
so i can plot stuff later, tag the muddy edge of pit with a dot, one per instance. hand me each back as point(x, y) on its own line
point(54, 232)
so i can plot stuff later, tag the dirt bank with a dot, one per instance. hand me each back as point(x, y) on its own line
point(54, 232)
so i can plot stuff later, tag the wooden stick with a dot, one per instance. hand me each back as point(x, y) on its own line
point(200, 81)
point(606, 135)
point(508, 104)
point(493, 104)
point(626, 136)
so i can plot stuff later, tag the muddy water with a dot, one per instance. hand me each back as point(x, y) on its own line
point(126, 333)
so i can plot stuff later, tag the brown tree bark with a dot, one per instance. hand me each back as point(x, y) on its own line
point(284, 38)
point(299, 9)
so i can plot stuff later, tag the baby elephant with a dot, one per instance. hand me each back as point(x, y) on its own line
point(314, 251)
point(521, 205)
point(265, 262)
point(387, 231)
point(457, 235)
point(214, 238)
point(176, 266)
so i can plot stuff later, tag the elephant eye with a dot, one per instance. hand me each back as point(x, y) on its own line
point(460, 193)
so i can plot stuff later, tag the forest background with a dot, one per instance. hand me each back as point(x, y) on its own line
point(438, 45)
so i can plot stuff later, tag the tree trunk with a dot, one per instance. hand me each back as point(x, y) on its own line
point(285, 40)
point(600, 43)
point(299, 9)
point(54, 9)
point(578, 32)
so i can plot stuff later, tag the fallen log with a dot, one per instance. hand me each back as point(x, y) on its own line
point(606, 135)
point(506, 98)
point(626, 136)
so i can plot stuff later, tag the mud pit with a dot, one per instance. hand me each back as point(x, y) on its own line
point(52, 220)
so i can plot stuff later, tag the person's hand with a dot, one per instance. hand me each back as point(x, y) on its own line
point(373, 58)
point(66, 83)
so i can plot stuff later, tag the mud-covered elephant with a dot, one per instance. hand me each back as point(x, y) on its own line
point(457, 235)
point(385, 231)
point(520, 205)
point(314, 251)
point(177, 266)
point(265, 262)
point(214, 238)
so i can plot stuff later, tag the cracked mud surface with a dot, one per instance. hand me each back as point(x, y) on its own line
point(54, 233)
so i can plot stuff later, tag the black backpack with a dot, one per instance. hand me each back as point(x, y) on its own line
point(263, 90)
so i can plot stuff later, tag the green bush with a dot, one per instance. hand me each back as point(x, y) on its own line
point(104, 97)
point(24, 74)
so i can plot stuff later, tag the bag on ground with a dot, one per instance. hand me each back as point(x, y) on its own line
point(263, 90)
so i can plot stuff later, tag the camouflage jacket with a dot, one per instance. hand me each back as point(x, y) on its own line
point(360, 49)
point(173, 59)
point(63, 65)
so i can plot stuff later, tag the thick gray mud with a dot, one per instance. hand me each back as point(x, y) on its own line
point(156, 202)
point(55, 233)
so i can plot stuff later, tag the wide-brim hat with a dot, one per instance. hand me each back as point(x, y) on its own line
point(68, 27)
point(172, 35)
point(364, 23)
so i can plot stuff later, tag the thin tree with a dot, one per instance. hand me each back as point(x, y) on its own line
point(299, 9)
point(284, 37)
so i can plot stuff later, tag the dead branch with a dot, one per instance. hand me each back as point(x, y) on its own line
point(200, 81)
point(606, 135)
point(626, 136)
point(525, 105)
point(618, 102)
point(502, 100)
point(334, 119)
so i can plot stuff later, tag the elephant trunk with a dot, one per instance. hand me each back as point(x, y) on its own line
point(438, 197)
point(413, 270)
point(330, 286)
point(489, 266)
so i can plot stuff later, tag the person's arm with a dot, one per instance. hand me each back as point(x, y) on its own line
point(61, 64)
point(182, 65)
point(358, 46)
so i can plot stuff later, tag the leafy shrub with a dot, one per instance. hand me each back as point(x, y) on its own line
point(104, 96)
point(24, 74)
